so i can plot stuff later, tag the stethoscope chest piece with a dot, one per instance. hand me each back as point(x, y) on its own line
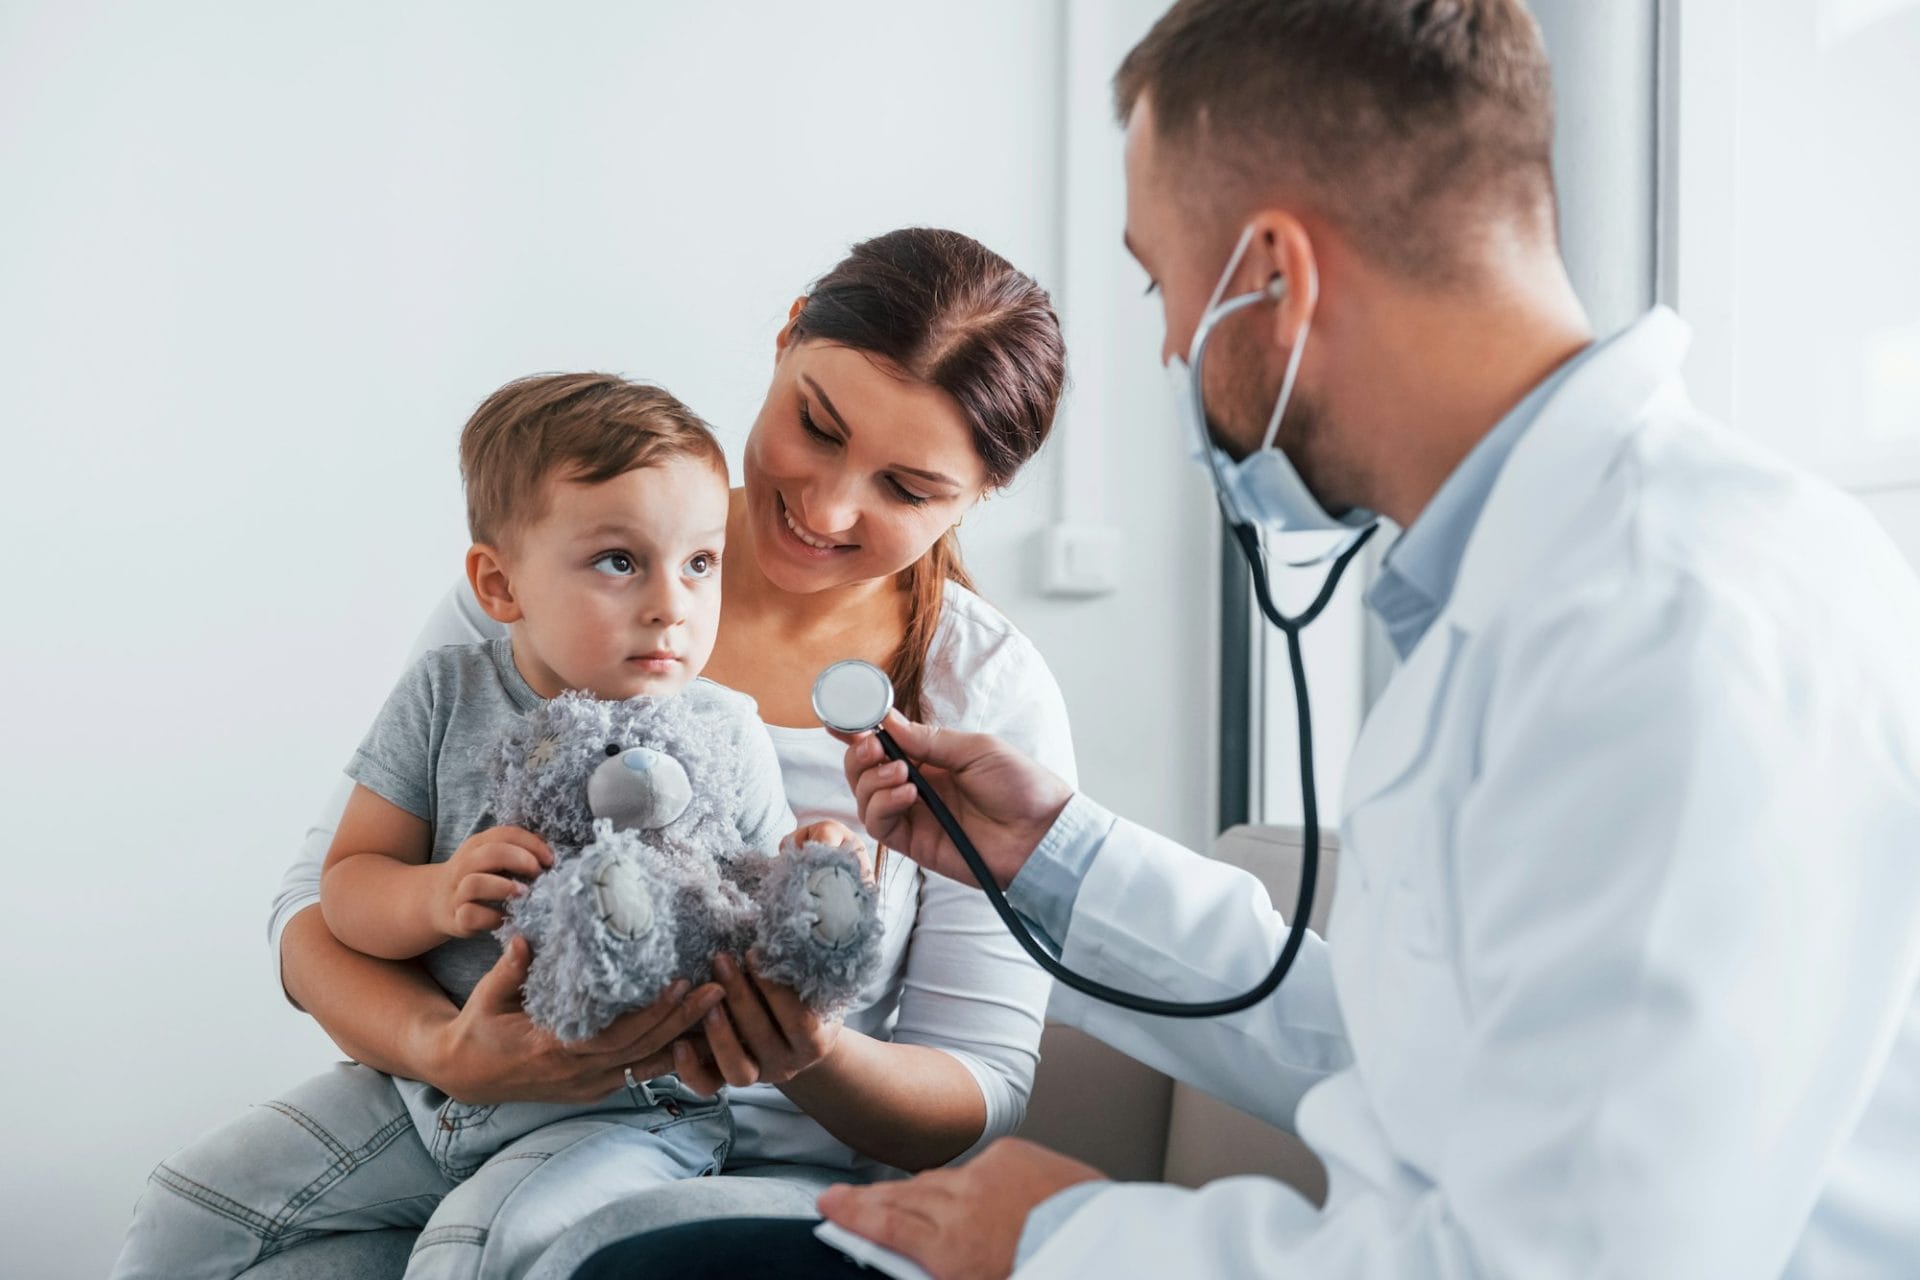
point(852, 696)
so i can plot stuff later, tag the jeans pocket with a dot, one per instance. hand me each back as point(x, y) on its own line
point(463, 1138)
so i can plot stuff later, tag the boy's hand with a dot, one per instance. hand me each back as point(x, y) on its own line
point(487, 870)
point(827, 831)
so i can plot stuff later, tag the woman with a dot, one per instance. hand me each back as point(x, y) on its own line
point(918, 376)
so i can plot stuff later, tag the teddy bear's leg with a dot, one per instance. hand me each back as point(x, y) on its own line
point(630, 925)
point(608, 938)
point(819, 929)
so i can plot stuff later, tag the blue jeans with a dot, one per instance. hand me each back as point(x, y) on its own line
point(354, 1150)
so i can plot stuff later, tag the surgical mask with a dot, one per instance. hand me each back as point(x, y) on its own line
point(1262, 489)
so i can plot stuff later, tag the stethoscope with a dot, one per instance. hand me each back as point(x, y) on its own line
point(854, 697)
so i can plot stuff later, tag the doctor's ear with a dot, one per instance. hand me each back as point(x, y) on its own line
point(1284, 252)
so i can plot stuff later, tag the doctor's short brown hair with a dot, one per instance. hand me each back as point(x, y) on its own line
point(587, 427)
point(1415, 126)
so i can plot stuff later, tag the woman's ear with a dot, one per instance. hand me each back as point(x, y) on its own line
point(487, 575)
point(784, 338)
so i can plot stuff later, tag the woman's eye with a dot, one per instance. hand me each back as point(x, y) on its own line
point(615, 564)
point(703, 565)
point(1153, 287)
point(806, 421)
point(905, 494)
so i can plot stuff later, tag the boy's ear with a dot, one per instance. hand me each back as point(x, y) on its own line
point(487, 575)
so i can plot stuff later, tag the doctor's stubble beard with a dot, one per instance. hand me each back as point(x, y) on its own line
point(1248, 404)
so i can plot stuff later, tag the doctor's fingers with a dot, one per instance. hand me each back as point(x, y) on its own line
point(892, 1214)
point(884, 811)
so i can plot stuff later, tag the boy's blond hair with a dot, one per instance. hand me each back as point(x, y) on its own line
point(586, 427)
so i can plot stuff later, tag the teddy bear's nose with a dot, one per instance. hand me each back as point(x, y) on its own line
point(639, 789)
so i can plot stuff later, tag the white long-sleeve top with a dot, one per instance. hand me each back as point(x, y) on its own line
point(951, 977)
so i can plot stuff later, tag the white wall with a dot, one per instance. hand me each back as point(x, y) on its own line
point(1791, 223)
point(258, 262)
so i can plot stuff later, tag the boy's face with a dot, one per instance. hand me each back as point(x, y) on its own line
point(617, 586)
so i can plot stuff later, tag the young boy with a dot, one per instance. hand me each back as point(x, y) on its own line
point(598, 511)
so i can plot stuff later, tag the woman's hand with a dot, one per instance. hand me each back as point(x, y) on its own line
point(490, 1051)
point(761, 1034)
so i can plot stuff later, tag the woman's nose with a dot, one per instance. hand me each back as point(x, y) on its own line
point(829, 507)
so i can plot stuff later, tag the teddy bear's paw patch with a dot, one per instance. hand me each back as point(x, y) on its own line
point(624, 901)
point(835, 895)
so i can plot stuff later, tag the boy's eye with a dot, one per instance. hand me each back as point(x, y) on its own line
point(616, 564)
point(703, 565)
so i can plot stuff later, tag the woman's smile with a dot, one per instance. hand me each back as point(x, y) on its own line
point(799, 540)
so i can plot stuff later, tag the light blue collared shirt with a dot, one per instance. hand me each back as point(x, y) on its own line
point(1416, 581)
point(1416, 578)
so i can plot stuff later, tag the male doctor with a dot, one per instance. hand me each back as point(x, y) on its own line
point(1623, 962)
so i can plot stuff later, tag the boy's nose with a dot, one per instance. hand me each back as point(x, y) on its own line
point(668, 606)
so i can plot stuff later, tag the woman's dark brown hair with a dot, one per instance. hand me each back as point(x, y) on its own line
point(947, 311)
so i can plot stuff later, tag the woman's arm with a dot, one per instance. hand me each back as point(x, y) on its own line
point(965, 1044)
point(391, 1016)
point(906, 1105)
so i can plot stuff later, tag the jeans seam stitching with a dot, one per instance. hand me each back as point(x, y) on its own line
point(343, 1165)
point(213, 1201)
point(312, 1126)
point(433, 1236)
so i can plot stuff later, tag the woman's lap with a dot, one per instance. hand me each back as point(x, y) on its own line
point(761, 1192)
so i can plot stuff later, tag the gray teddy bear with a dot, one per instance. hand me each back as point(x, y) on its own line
point(639, 801)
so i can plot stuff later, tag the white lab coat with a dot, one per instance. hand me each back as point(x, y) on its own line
point(1623, 960)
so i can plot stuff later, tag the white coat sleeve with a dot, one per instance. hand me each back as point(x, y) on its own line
point(1156, 918)
point(1686, 919)
point(457, 619)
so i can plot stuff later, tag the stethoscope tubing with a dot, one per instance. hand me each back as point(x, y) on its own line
point(1249, 540)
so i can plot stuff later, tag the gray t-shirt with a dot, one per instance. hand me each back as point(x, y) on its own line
point(426, 753)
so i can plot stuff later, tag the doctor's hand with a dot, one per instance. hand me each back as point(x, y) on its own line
point(1004, 801)
point(964, 1223)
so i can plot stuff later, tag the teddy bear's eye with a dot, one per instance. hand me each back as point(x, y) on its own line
point(613, 749)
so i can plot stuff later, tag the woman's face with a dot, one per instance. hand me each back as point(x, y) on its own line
point(852, 471)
